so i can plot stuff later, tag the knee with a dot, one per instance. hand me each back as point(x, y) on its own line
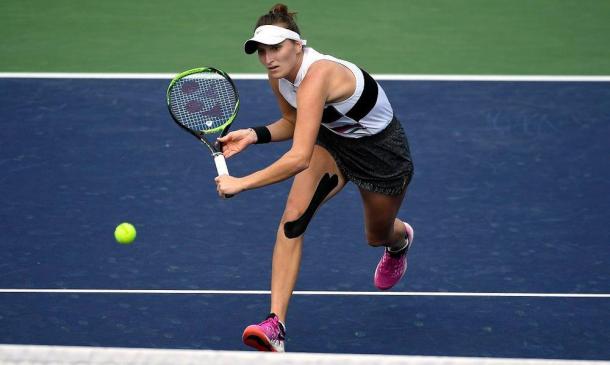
point(292, 213)
point(293, 223)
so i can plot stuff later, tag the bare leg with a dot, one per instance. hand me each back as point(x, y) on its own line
point(287, 251)
point(381, 225)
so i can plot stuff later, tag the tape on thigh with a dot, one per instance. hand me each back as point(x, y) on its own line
point(297, 227)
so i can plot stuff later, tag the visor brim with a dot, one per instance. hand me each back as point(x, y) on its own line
point(251, 45)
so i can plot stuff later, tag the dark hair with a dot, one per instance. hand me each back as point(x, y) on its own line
point(279, 15)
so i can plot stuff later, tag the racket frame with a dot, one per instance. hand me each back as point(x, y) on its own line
point(215, 148)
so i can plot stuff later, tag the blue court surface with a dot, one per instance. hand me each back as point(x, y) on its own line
point(510, 201)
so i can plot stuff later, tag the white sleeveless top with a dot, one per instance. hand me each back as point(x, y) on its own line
point(365, 113)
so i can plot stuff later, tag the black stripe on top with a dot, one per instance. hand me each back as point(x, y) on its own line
point(363, 106)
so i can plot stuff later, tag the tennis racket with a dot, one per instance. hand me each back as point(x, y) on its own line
point(204, 101)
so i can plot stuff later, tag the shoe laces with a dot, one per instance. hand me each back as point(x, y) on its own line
point(271, 326)
point(391, 261)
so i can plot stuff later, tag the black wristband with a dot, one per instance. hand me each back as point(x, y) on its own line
point(262, 134)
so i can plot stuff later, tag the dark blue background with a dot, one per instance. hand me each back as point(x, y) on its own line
point(511, 194)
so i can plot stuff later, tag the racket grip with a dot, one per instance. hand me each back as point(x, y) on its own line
point(221, 164)
point(221, 167)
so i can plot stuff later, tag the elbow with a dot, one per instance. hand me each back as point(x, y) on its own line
point(300, 162)
point(301, 165)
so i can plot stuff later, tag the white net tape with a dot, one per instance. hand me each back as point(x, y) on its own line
point(55, 355)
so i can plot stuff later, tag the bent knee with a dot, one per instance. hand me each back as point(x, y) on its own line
point(294, 222)
point(292, 213)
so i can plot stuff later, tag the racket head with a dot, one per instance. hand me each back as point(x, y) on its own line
point(203, 100)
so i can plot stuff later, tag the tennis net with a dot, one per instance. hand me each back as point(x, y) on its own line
point(56, 355)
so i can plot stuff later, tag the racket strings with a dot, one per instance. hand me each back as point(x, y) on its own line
point(202, 103)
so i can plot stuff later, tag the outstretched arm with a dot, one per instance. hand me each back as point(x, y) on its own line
point(311, 98)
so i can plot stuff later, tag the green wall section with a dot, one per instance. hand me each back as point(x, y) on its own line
point(547, 37)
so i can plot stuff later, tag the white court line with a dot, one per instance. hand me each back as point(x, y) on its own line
point(250, 76)
point(305, 292)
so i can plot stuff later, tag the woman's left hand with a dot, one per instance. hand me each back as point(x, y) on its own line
point(228, 185)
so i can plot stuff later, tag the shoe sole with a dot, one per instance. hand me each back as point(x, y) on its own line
point(256, 338)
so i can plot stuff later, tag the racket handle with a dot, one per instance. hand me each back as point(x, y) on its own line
point(221, 167)
point(221, 164)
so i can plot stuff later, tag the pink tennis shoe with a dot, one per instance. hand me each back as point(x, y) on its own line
point(269, 335)
point(393, 265)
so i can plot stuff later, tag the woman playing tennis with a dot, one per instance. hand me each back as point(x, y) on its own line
point(343, 129)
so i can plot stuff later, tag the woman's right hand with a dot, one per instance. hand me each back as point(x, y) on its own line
point(237, 141)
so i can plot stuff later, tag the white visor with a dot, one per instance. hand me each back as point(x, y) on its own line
point(271, 34)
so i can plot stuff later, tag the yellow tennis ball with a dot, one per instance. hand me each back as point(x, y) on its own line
point(125, 233)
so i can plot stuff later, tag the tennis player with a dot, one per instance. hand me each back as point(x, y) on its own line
point(343, 129)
